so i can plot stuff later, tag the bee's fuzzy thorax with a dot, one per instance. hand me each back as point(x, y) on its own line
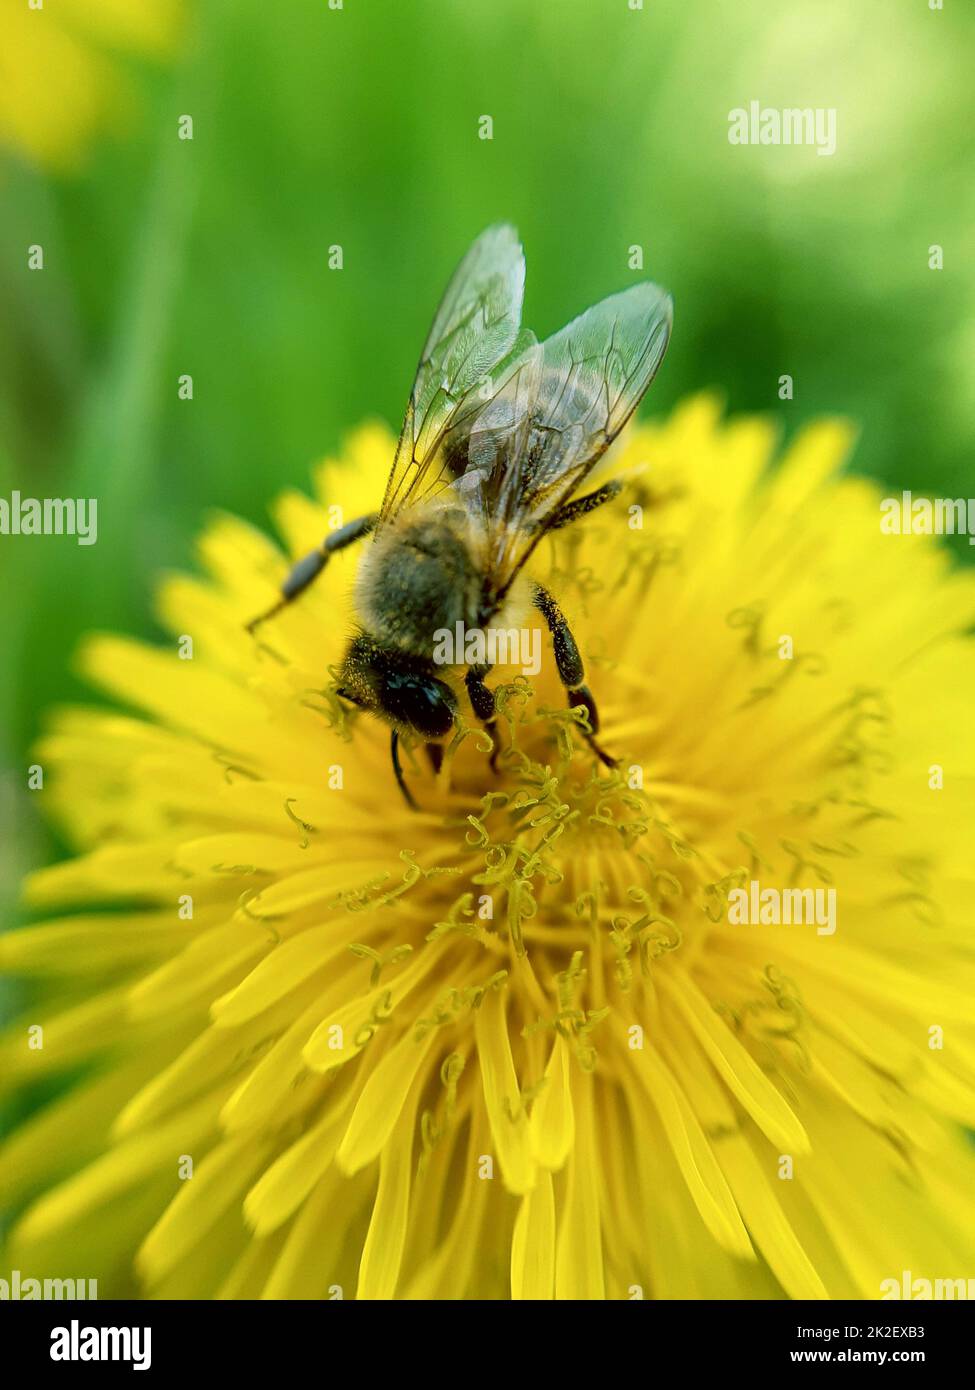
point(421, 573)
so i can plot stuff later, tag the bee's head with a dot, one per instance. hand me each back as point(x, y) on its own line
point(403, 689)
point(418, 699)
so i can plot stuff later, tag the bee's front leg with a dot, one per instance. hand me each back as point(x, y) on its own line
point(398, 771)
point(482, 703)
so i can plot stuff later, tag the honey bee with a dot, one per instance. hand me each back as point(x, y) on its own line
point(500, 432)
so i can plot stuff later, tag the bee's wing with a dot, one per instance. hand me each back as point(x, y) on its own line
point(474, 329)
point(558, 409)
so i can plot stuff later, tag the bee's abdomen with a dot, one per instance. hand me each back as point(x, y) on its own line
point(419, 578)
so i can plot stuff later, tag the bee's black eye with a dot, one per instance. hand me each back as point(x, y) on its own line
point(423, 702)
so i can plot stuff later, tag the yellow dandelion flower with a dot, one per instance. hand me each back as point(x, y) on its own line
point(60, 79)
point(517, 1044)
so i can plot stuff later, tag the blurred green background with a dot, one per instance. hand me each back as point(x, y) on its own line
point(359, 126)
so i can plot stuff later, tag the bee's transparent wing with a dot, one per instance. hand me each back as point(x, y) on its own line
point(474, 330)
point(558, 409)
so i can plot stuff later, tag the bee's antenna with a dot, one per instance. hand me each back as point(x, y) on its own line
point(394, 752)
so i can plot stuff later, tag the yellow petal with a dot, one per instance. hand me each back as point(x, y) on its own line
point(502, 1097)
point(533, 1243)
point(552, 1125)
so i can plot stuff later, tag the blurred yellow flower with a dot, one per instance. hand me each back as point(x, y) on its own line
point(60, 79)
point(515, 1044)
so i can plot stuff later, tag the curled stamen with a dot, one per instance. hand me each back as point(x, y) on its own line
point(244, 906)
point(495, 982)
point(432, 1130)
point(717, 894)
point(680, 846)
point(171, 867)
point(379, 962)
point(757, 861)
point(663, 883)
point(749, 620)
point(801, 864)
point(338, 716)
point(461, 919)
point(567, 980)
point(302, 825)
point(380, 1014)
point(621, 938)
point(229, 767)
point(481, 838)
point(521, 907)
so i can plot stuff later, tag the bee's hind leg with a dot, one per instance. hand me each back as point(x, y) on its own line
point(570, 667)
point(582, 506)
point(482, 703)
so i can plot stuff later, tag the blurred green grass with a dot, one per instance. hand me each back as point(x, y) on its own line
point(359, 127)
